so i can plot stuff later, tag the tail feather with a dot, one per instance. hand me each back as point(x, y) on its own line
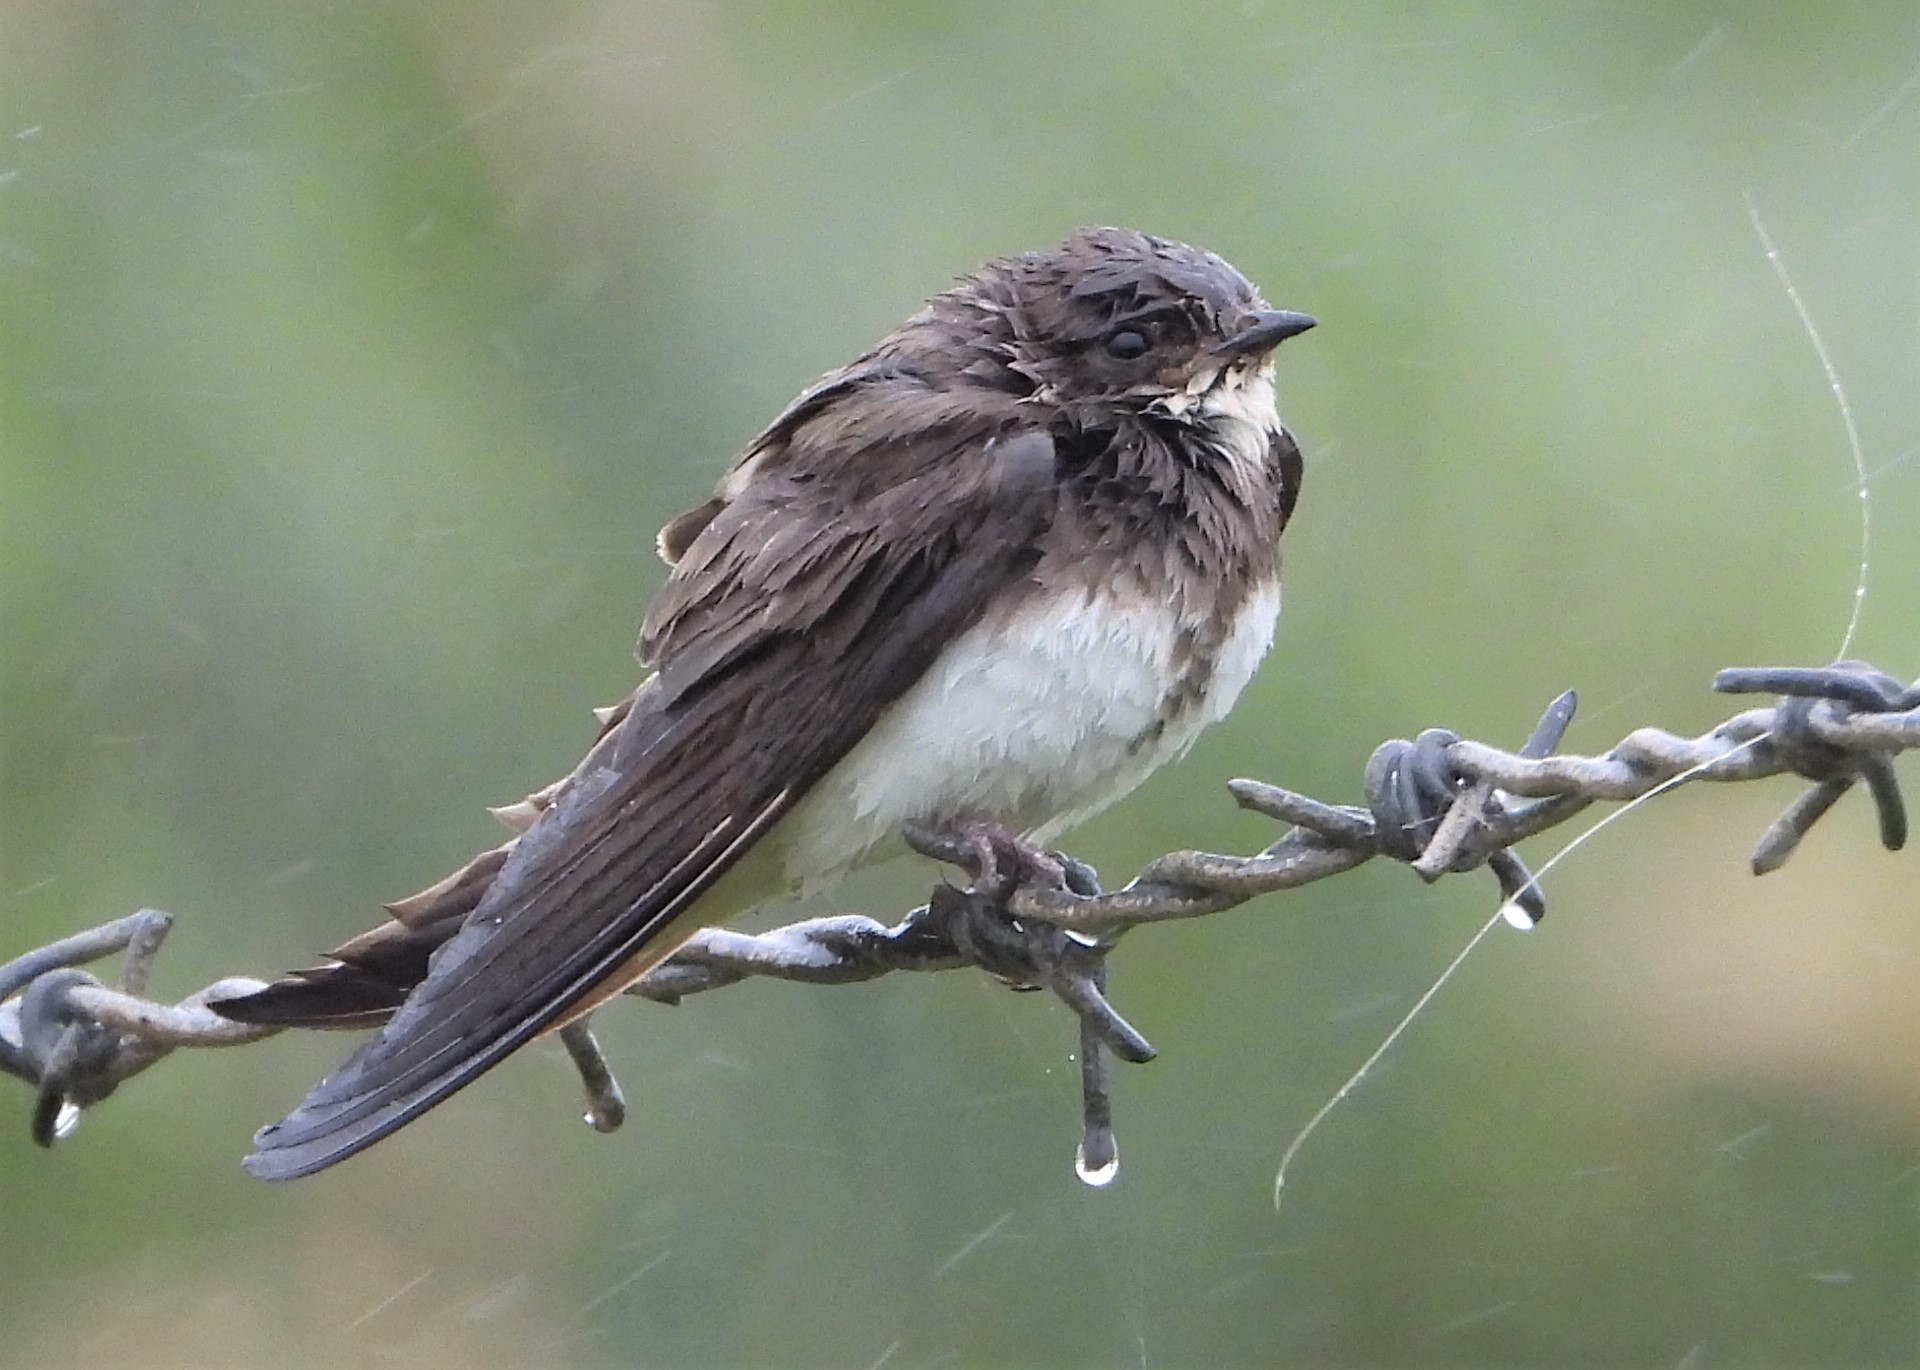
point(363, 981)
point(360, 986)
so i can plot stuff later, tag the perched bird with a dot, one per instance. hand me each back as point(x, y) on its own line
point(993, 572)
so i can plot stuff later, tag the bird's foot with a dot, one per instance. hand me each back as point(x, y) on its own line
point(999, 860)
point(1023, 953)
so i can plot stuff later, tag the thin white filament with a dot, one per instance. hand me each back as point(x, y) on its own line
point(1779, 265)
point(1353, 1080)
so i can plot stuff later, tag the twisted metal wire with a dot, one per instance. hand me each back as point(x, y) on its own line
point(1440, 803)
point(1835, 726)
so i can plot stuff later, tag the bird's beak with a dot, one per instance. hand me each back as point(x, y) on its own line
point(1264, 329)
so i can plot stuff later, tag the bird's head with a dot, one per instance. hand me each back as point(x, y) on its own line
point(1113, 316)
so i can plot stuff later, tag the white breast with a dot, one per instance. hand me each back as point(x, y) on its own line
point(1036, 719)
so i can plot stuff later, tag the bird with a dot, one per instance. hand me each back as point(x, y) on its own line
point(988, 576)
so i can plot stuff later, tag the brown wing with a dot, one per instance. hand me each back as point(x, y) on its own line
point(822, 588)
point(1285, 470)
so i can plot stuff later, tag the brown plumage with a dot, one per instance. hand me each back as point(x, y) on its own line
point(879, 609)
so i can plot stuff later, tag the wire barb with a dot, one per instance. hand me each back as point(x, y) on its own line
point(606, 1105)
point(75, 1039)
point(1814, 704)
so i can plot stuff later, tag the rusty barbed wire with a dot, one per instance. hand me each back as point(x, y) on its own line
point(1439, 803)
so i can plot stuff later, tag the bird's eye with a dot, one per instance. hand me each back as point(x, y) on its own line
point(1127, 344)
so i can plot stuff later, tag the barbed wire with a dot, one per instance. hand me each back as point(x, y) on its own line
point(1440, 803)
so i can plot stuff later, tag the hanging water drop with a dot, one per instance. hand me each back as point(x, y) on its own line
point(1096, 1173)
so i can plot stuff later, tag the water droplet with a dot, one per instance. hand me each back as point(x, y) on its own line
point(1516, 916)
point(1098, 1176)
point(66, 1120)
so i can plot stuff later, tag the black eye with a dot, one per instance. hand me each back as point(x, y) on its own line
point(1127, 343)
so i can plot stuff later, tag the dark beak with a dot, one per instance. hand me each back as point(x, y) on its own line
point(1265, 329)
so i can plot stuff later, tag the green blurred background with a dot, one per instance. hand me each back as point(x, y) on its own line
point(354, 351)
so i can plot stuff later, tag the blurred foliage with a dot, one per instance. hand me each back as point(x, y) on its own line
point(349, 356)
